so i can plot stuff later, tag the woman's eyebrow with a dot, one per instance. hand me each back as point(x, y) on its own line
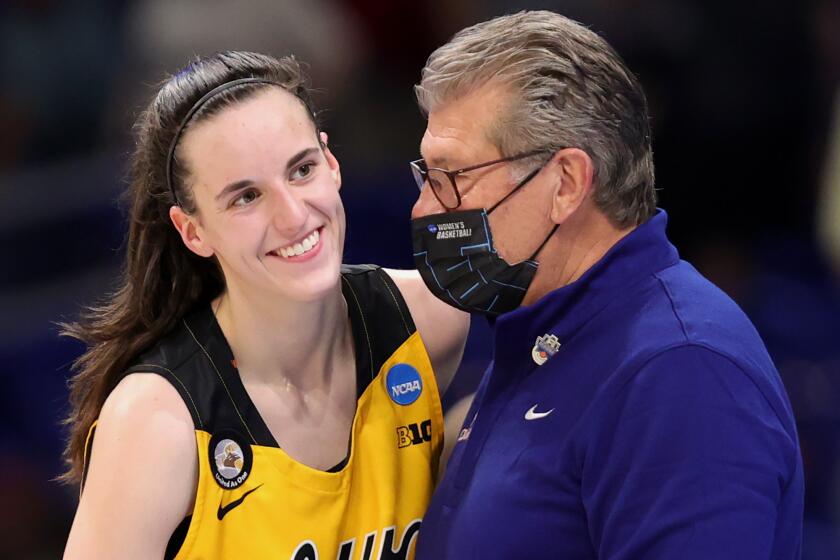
point(233, 187)
point(245, 183)
point(295, 159)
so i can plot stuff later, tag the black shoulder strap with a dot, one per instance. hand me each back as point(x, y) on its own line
point(379, 316)
point(173, 358)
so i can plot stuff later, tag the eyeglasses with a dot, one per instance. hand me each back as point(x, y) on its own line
point(443, 183)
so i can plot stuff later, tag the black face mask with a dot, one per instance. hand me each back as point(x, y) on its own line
point(455, 256)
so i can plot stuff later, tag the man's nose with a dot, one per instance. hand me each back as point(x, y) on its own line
point(426, 204)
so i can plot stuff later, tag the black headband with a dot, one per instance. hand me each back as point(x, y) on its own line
point(193, 110)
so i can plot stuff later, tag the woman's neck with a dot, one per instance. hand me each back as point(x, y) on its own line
point(288, 344)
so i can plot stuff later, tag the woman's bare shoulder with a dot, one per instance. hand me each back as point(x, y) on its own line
point(142, 472)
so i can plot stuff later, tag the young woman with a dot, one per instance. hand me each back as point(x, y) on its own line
point(244, 394)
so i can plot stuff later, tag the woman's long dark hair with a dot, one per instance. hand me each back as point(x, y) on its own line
point(161, 279)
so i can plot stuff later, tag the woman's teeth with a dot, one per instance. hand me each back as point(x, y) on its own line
point(300, 248)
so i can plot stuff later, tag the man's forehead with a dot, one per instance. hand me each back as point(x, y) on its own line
point(457, 131)
point(445, 149)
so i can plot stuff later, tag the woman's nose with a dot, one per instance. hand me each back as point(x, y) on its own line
point(290, 212)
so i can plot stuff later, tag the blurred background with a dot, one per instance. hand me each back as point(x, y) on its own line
point(746, 119)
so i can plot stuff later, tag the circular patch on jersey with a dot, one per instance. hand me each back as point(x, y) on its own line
point(404, 384)
point(231, 459)
point(432, 228)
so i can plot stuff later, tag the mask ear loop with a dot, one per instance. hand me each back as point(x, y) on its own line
point(530, 176)
point(547, 237)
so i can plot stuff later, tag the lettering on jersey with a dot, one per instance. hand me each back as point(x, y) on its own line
point(345, 551)
point(307, 550)
point(414, 434)
point(387, 551)
point(230, 458)
point(404, 384)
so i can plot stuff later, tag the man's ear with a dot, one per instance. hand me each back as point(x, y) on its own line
point(335, 169)
point(191, 232)
point(573, 171)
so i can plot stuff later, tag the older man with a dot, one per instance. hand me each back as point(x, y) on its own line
point(631, 409)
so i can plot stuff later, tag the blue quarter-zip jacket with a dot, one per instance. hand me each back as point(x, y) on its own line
point(658, 429)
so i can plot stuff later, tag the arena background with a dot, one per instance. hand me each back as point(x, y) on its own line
point(743, 97)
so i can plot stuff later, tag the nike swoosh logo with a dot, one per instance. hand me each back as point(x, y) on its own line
point(224, 510)
point(532, 413)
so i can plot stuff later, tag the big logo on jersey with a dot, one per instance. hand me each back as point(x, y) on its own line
point(404, 384)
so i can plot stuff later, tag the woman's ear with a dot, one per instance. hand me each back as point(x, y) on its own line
point(191, 232)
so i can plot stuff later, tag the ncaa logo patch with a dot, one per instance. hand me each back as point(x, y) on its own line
point(432, 228)
point(404, 384)
point(230, 459)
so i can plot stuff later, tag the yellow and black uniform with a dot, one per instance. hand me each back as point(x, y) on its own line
point(253, 500)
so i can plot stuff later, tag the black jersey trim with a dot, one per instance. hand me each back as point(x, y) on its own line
point(196, 358)
point(227, 382)
point(222, 380)
point(378, 313)
point(176, 541)
point(86, 458)
point(399, 302)
point(180, 387)
point(361, 363)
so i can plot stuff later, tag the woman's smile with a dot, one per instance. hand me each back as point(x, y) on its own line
point(302, 250)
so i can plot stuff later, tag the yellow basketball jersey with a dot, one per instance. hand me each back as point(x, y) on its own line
point(254, 501)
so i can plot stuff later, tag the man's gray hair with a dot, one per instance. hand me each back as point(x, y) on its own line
point(569, 88)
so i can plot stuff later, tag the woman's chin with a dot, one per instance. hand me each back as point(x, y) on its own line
point(316, 286)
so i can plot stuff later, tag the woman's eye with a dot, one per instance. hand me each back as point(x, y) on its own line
point(303, 171)
point(245, 198)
